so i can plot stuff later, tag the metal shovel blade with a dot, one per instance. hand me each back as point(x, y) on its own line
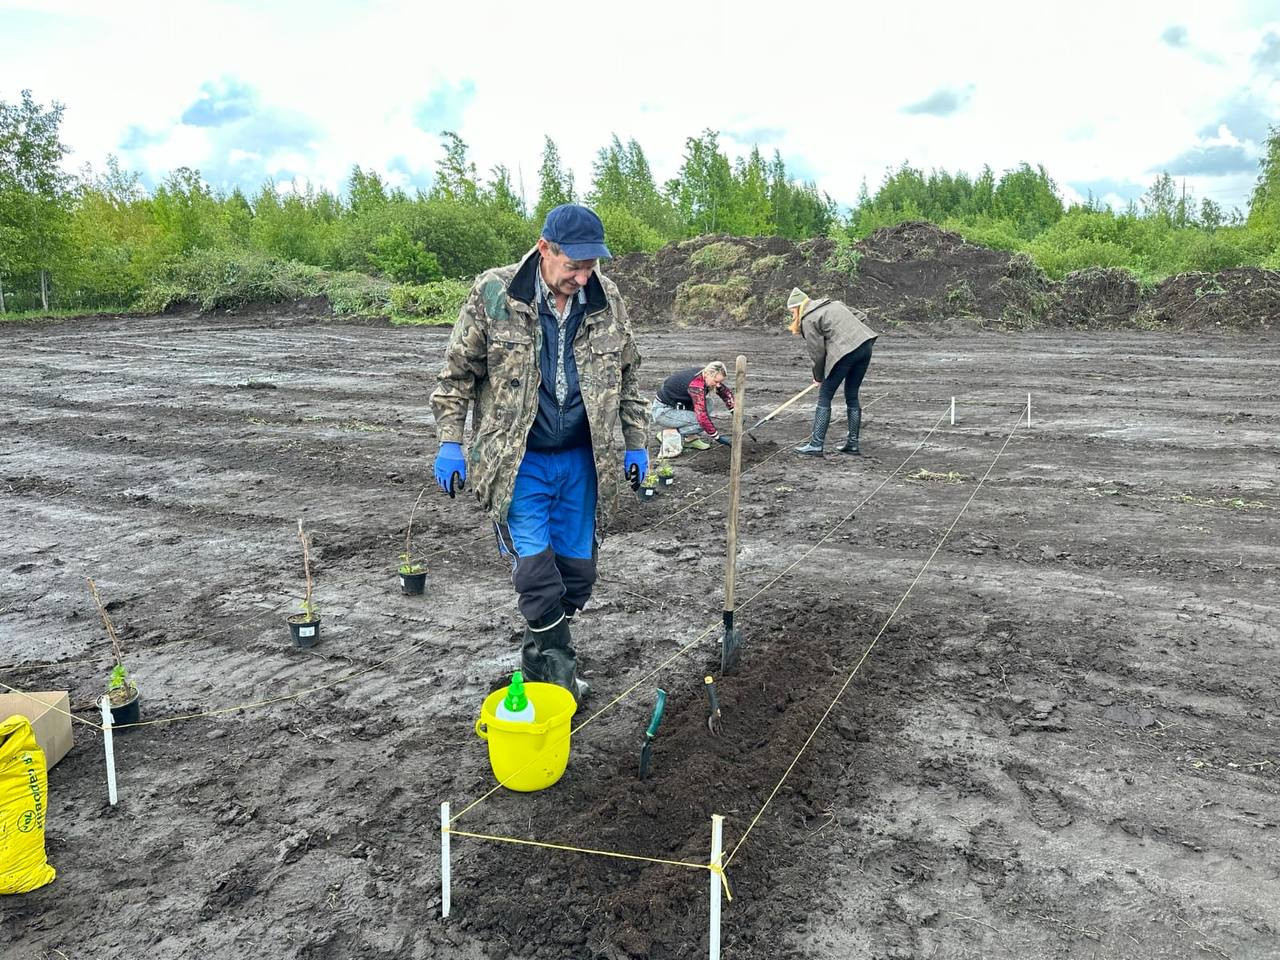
point(730, 647)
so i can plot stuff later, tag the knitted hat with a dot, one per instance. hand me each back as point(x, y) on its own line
point(797, 298)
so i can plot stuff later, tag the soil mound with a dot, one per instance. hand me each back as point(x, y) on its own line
point(1097, 296)
point(1245, 297)
point(723, 281)
point(911, 272)
point(916, 272)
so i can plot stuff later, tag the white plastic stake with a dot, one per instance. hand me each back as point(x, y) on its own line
point(1028, 411)
point(107, 746)
point(953, 411)
point(444, 859)
point(717, 831)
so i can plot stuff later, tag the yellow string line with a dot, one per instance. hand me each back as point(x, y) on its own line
point(696, 640)
point(848, 516)
point(867, 652)
point(65, 713)
point(715, 868)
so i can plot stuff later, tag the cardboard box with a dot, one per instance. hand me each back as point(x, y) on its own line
point(50, 714)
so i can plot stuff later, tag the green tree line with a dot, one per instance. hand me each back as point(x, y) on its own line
point(99, 239)
point(1166, 231)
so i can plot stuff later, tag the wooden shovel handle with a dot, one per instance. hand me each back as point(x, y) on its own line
point(735, 471)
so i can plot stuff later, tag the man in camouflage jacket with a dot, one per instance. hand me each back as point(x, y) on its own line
point(544, 356)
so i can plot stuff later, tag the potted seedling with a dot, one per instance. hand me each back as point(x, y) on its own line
point(305, 626)
point(122, 689)
point(648, 488)
point(413, 576)
point(666, 473)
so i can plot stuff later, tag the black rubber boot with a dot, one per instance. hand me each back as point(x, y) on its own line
point(821, 420)
point(855, 425)
point(547, 656)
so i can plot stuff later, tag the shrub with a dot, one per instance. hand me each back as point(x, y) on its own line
point(213, 279)
point(355, 294)
point(996, 234)
point(216, 278)
point(428, 303)
point(404, 259)
point(846, 256)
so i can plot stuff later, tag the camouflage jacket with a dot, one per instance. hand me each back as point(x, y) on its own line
point(491, 365)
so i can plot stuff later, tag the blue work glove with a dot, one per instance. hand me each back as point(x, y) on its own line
point(451, 469)
point(722, 439)
point(636, 465)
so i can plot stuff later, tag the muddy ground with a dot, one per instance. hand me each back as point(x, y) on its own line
point(1063, 743)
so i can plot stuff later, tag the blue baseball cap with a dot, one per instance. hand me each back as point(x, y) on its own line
point(577, 231)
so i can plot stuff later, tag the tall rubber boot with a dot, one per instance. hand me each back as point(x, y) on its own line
point(855, 426)
point(547, 656)
point(821, 420)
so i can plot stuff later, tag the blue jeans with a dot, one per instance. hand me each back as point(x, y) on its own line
point(550, 533)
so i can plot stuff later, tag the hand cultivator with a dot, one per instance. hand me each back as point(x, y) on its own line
point(646, 751)
point(713, 705)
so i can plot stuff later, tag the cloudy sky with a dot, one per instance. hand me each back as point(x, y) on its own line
point(1104, 94)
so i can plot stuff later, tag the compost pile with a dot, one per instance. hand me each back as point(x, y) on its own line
point(918, 273)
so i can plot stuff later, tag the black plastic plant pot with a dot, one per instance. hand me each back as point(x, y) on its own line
point(646, 493)
point(128, 712)
point(667, 481)
point(306, 633)
point(413, 584)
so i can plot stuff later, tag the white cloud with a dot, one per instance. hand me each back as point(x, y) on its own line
point(1094, 94)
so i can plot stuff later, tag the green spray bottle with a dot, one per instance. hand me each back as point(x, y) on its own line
point(515, 706)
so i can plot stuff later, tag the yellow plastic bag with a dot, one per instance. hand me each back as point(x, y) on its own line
point(24, 787)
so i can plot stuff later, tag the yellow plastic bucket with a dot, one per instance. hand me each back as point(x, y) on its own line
point(529, 756)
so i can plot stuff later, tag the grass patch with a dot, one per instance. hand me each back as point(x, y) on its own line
point(700, 300)
point(720, 255)
point(23, 316)
point(767, 264)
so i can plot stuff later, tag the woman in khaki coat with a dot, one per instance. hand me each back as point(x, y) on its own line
point(840, 344)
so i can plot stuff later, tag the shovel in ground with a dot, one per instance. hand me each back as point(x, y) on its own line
point(732, 640)
point(777, 410)
point(646, 752)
